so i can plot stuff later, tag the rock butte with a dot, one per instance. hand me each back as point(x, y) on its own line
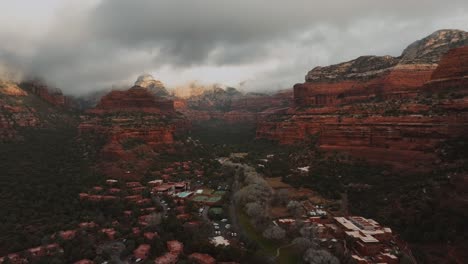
point(133, 115)
point(382, 108)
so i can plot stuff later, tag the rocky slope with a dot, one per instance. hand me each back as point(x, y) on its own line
point(25, 107)
point(383, 109)
point(231, 106)
point(131, 127)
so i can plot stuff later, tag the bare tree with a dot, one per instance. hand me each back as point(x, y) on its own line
point(295, 208)
point(320, 256)
point(153, 219)
point(253, 193)
point(274, 232)
point(302, 244)
point(309, 231)
point(254, 210)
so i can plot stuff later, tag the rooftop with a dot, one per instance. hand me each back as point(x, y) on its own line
point(219, 241)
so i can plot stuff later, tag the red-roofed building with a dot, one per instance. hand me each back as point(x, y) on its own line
point(164, 188)
point(175, 246)
point(110, 232)
point(109, 198)
point(87, 225)
point(114, 190)
point(133, 184)
point(97, 188)
point(133, 198)
point(169, 170)
point(84, 196)
point(41, 251)
point(180, 209)
point(387, 258)
point(149, 209)
point(142, 251)
point(143, 220)
point(128, 213)
point(15, 258)
point(68, 235)
point(150, 235)
point(183, 216)
point(111, 182)
point(94, 198)
point(136, 231)
point(202, 258)
point(84, 261)
point(53, 248)
point(37, 251)
point(168, 258)
point(359, 260)
point(145, 201)
point(368, 249)
point(181, 186)
point(155, 183)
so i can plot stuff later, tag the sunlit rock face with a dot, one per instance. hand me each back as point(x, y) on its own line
point(27, 107)
point(384, 109)
point(154, 86)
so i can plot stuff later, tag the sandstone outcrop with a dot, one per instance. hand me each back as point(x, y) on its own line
point(136, 99)
point(21, 108)
point(132, 126)
point(53, 96)
point(384, 109)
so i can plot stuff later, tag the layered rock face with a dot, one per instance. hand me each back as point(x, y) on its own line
point(384, 109)
point(384, 77)
point(136, 99)
point(53, 96)
point(133, 126)
point(231, 106)
point(22, 109)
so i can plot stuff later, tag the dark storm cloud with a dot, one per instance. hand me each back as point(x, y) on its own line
point(115, 40)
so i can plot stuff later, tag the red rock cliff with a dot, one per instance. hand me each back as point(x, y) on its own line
point(24, 109)
point(133, 125)
point(385, 109)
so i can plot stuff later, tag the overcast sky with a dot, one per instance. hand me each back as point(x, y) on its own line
point(85, 45)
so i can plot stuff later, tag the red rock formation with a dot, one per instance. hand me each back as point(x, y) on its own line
point(134, 125)
point(50, 95)
point(243, 109)
point(136, 99)
point(20, 109)
point(452, 66)
point(382, 108)
point(11, 89)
